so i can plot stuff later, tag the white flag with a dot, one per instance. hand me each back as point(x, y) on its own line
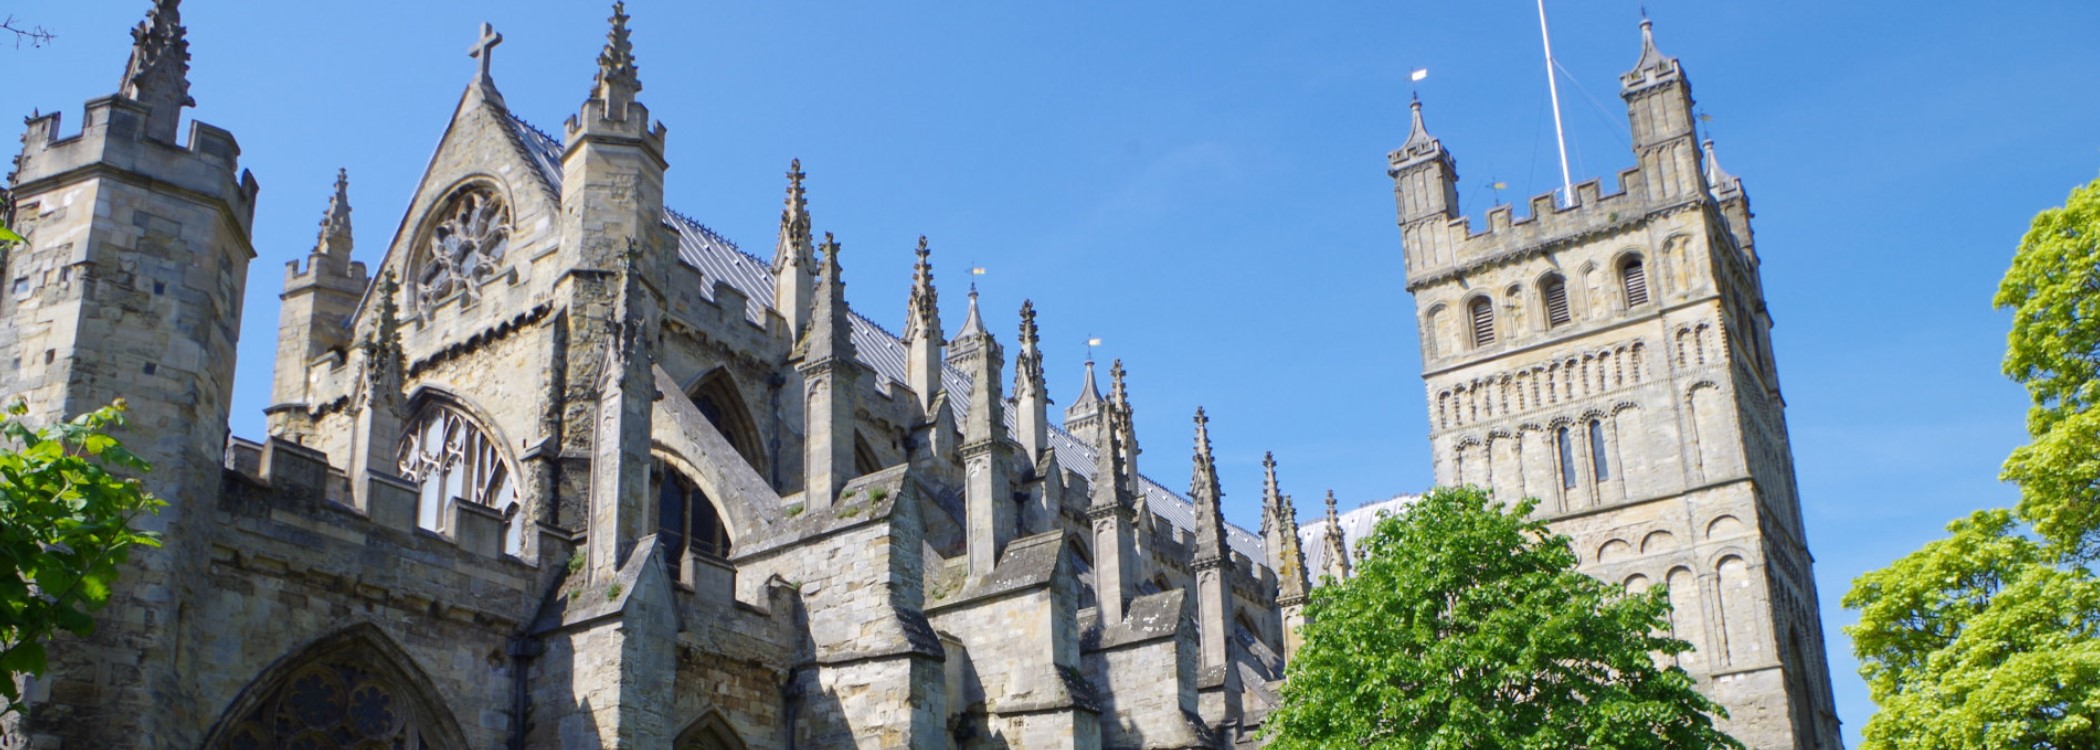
point(1419, 74)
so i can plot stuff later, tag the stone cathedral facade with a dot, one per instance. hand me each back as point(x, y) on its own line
point(1610, 355)
point(553, 466)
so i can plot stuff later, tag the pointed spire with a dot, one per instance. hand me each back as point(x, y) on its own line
point(922, 332)
point(794, 257)
point(383, 355)
point(1031, 392)
point(924, 313)
point(1654, 67)
point(618, 79)
point(1109, 489)
point(1337, 548)
point(1716, 177)
point(1089, 394)
point(1271, 497)
point(973, 323)
point(1206, 494)
point(1417, 131)
point(335, 222)
point(158, 73)
point(830, 334)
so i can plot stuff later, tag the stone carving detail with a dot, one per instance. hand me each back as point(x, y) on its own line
point(464, 248)
point(335, 703)
point(451, 460)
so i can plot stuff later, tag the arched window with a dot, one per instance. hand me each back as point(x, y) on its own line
point(1567, 458)
point(718, 400)
point(451, 461)
point(1597, 460)
point(686, 520)
point(1482, 312)
point(465, 247)
point(1634, 278)
point(1553, 293)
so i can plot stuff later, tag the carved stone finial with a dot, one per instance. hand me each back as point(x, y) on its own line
point(618, 77)
point(157, 75)
point(1030, 338)
point(923, 313)
point(335, 222)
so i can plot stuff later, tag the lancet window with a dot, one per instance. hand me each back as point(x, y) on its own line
point(1554, 293)
point(1634, 277)
point(453, 461)
point(1482, 312)
point(464, 248)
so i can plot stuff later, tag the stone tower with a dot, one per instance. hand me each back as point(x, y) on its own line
point(1609, 355)
point(130, 286)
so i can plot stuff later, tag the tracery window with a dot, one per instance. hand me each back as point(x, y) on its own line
point(465, 247)
point(452, 461)
point(334, 703)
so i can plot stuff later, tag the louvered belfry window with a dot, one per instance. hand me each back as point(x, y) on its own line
point(1482, 311)
point(1555, 290)
point(1635, 277)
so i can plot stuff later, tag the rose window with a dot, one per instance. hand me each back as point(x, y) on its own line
point(465, 248)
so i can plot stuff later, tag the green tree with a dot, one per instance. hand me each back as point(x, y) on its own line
point(1987, 638)
point(65, 526)
point(1980, 641)
point(1467, 627)
point(2053, 289)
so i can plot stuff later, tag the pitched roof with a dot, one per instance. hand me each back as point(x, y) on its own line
point(719, 259)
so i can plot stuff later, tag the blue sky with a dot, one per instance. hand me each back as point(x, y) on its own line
point(1203, 188)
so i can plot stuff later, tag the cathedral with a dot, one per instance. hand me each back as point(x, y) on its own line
point(556, 466)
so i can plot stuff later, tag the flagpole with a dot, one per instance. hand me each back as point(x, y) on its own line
point(1567, 184)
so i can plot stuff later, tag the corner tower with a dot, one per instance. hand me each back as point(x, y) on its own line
point(1608, 354)
point(130, 285)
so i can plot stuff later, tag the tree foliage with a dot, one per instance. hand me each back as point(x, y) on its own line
point(1467, 627)
point(65, 526)
point(1987, 638)
point(2053, 289)
point(1979, 641)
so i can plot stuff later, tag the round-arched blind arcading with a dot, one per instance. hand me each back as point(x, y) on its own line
point(1481, 311)
point(1633, 277)
point(464, 247)
point(1553, 293)
point(452, 460)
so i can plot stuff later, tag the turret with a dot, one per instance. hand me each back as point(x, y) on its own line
point(832, 374)
point(313, 312)
point(1425, 187)
point(129, 284)
point(1659, 107)
point(987, 453)
point(613, 165)
point(1031, 392)
point(794, 258)
point(922, 332)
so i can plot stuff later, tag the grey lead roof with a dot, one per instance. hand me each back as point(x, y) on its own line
point(719, 259)
point(1312, 537)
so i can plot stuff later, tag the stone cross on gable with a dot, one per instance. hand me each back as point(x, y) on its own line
point(485, 48)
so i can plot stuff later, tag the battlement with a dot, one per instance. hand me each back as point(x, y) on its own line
point(284, 475)
point(321, 269)
point(1509, 235)
point(113, 139)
